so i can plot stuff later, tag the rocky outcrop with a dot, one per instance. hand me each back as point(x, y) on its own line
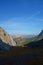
point(6, 38)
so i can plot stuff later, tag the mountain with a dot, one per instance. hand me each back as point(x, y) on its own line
point(16, 36)
point(40, 36)
point(4, 46)
point(28, 36)
point(36, 41)
point(23, 36)
point(34, 44)
point(5, 39)
point(24, 39)
point(19, 39)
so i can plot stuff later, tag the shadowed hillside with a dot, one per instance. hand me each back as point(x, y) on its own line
point(38, 43)
point(4, 46)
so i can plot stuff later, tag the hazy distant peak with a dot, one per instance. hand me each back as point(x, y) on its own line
point(17, 36)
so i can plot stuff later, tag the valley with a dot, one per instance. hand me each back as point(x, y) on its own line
point(27, 51)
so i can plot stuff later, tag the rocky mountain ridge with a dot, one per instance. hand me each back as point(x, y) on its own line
point(6, 38)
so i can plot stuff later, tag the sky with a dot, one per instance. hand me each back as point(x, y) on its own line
point(21, 16)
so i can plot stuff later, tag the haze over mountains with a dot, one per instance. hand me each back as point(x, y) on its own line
point(23, 35)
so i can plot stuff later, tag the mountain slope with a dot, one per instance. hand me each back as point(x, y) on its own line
point(41, 34)
point(36, 41)
point(6, 38)
point(34, 44)
point(38, 37)
point(4, 46)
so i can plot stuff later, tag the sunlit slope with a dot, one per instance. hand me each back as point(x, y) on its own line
point(6, 39)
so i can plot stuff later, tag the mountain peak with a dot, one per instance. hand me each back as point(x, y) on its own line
point(1, 28)
point(2, 31)
point(41, 33)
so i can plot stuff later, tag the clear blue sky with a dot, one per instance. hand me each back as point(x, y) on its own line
point(21, 16)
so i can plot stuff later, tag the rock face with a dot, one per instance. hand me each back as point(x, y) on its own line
point(17, 37)
point(6, 38)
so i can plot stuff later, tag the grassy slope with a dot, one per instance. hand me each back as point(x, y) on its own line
point(27, 40)
point(23, 41)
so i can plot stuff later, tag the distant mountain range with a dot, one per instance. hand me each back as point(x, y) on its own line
point(23, 36)
point(28, 36)
point(7, 41)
